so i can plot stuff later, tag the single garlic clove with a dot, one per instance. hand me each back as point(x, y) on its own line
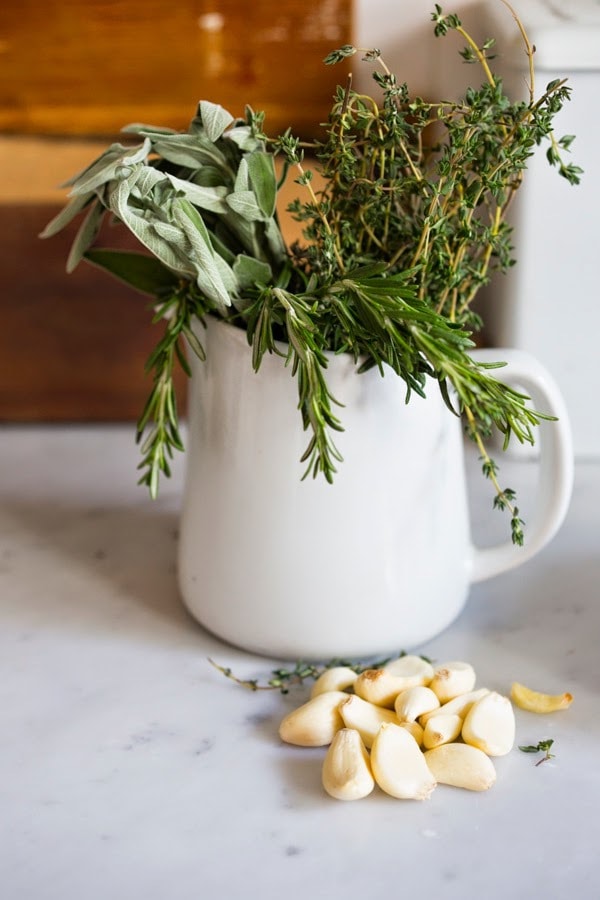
point(413, 669)
point(415, 702)
point(415, 729)
point(459, 706)
point(451, 679)
point(441, 730)
point(379, 686)
point(338, 678)
point(538, 702)
point(490, 725)
point(346, 772)
point(365, 717)
point(398, 765)
point(315, 723)
point(461, 765)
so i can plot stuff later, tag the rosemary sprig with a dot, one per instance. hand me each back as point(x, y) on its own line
point(158, 426)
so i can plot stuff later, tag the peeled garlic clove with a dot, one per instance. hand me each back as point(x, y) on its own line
point(338, 678)
point(536, 701)
point(365, 717)
point(413, 669)
point(415, 702)
point(451, 679)
point(315, 723)
point(398, 765)
point(346, 772)
point(461, 766)
point(490, 725)
point(441, 730)
point(460, 706)
point(415, 729)
point(379, 686)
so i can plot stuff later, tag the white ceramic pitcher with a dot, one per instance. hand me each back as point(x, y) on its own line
point(380, 560)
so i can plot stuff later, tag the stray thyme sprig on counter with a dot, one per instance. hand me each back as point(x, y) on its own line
point(541, 747)
point(409, 224)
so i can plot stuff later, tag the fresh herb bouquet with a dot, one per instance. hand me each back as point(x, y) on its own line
point(410, 223)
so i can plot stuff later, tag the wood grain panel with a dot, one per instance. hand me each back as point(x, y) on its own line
point(72, 347)
point(90, 66)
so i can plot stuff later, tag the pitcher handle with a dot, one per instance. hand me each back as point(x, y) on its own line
point(556, 463)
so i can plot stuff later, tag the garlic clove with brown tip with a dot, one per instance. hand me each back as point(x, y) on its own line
point(451, 679)
point(379, 687)
point(441, 730)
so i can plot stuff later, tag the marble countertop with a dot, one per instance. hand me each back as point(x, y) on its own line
point(130, 768)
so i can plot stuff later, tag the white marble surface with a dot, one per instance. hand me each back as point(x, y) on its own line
point(129, 768)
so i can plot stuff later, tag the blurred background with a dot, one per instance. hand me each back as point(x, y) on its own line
point(73, 72)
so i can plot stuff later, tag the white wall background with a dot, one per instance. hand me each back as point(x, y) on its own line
point(403, 31)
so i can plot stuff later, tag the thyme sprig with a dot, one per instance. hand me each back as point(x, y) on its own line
point(541, 747)
point(434, 211)
point(283, 678)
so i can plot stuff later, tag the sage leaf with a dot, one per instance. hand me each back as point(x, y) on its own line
point(261, 169)
point(246, 233)
point(243, 137)
point(228, 276)
point(144, 231)
point(207, 176)
point(242, 179)
point(210, 198)
point(189, 150)
point(250, 272)
point(86, 235)
point(215, 119)
point(208, 276)
point(221, 248)
point(245, 204)
point(144, 273)
point(147, 180)
point(147, 130)
point(106, 167)
point(174, 235)
point(67, 214)
point(275, 240)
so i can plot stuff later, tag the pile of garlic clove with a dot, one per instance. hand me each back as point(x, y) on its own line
point(406, 727)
